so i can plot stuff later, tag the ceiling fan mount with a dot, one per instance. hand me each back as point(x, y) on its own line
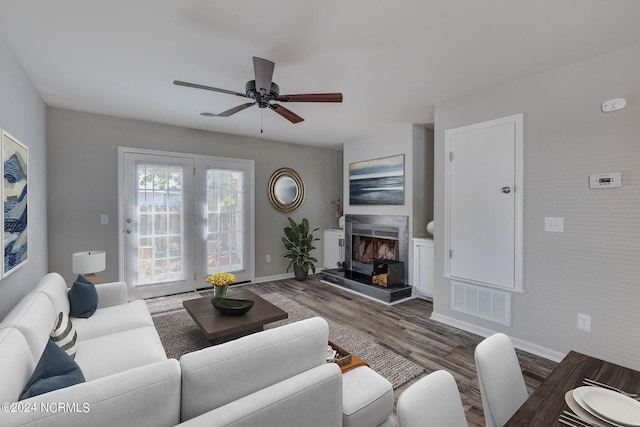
point(263, 92)
point(262, 101)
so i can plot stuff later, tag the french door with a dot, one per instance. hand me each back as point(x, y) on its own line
point(225, 217)
point(183, 217)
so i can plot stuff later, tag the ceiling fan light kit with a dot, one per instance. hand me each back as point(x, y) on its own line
point(263, 91)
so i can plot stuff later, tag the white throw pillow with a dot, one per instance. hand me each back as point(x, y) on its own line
point(64, 334)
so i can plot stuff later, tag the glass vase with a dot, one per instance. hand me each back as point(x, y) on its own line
point(220, 291)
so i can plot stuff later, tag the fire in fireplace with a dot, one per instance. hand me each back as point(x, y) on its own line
point(372, 249)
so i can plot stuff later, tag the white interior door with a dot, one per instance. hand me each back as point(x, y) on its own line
point(157, 224)
point(483, 200)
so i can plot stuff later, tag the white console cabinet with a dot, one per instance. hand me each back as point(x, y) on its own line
point(423, 267)
point(333, 247)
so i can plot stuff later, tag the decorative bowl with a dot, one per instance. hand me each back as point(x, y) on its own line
point(231, 306)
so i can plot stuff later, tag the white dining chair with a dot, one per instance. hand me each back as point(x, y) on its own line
point(501, 382)
point(432, 401)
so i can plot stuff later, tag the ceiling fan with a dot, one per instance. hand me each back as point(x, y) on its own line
point(263, 91)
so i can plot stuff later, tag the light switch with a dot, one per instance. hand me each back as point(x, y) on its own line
point(104, 219)
point(554, 224)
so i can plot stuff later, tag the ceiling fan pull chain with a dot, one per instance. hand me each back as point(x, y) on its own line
point(261, 120)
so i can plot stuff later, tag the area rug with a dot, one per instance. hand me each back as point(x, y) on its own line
point(179, 335)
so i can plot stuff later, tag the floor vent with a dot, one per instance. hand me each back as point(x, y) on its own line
point(478, 301)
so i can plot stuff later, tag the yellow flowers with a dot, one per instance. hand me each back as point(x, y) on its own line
point(220, 279)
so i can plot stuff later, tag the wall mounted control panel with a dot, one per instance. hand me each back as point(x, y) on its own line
point(605, 180)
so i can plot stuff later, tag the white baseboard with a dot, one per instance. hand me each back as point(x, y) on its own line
point(281, 276)
point(272, 278)
point(523, 345)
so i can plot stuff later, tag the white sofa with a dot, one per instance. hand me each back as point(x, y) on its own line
point(129, 380)
point(280, 378)
point(273, 378)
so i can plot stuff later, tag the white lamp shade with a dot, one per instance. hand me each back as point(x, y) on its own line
point(89, 262)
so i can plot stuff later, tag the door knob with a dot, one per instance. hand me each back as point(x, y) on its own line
point(128, 231)
point(506, 190)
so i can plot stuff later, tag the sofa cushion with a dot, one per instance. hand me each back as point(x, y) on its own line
point(117, 318)
point(54, 371)
point(112, 293)
point(33, 316)
point(260, 356)
point(311, 398)
point(145, 396)
point(113, 353)
point(16, 364)
point(55, 287)
point(64, 334)
point(83, 298)
point(367, 398)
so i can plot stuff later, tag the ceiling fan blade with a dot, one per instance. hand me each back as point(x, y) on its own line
point(235, 109)
point(215, 89)
point(287, 114)
point(263, 70)
point(312, 97)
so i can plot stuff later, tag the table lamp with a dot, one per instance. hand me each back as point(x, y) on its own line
point(88, 263)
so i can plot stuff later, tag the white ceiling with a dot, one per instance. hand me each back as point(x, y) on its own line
point(392, 60)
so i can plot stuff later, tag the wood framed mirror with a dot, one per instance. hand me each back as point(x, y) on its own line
point(286, 190)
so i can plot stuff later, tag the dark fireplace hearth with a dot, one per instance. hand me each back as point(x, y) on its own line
point(370, 239)
point(361, 283)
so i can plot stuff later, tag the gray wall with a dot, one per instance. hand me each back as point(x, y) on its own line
point(594, 266)
point(422, 179)
point(398, 140)
point(23, 115)
point(416, 142)
point(83, 183)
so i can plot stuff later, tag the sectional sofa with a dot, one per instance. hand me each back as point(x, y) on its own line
point(273, 378)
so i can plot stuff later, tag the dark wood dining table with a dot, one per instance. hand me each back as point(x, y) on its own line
point(545, 405)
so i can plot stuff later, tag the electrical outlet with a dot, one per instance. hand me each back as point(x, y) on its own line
point(268, 257)
point(584, 322)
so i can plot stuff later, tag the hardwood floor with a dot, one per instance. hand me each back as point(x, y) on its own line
point(407, 329)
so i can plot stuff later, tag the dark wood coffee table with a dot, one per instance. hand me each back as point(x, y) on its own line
point(219, 328)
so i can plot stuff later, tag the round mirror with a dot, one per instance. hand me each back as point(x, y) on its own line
point(286, 190)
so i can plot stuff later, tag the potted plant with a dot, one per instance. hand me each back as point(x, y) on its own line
point(298, 241)
point(220, 282)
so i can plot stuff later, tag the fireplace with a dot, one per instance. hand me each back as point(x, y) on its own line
point(371, 238)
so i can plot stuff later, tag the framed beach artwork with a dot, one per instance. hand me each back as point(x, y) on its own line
point(377, 181)
point(15, 157)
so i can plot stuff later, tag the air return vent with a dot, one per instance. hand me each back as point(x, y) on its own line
point(485, 303)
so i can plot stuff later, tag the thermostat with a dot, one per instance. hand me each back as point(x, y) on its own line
point(605, 180)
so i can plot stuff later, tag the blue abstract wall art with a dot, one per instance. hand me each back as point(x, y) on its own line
point(377, 181)
point(14, 199)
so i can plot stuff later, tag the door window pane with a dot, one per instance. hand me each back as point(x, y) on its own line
point(225, 219)
point(159, 219)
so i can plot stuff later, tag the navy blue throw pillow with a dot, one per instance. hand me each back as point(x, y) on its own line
point(83, 298)
point(55, 370)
